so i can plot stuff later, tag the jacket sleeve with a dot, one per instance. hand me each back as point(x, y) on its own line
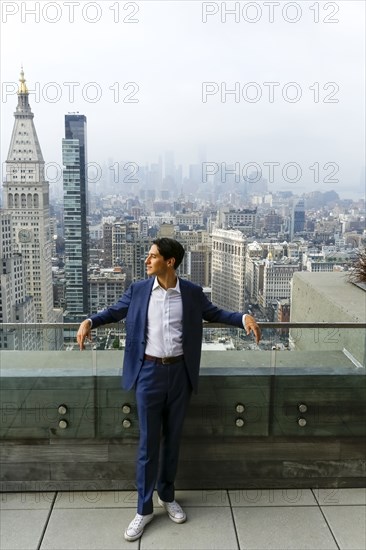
point(114, 313)
point(214, 314)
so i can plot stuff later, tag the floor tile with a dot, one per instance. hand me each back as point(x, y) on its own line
point(26, 501)
point(88, 529)
point(348, 524)
point(21, 529)
point(282, 528)
point(335, 497)
point(205, 528)
point(272, 497)
point(264, 519)
point(96, 499)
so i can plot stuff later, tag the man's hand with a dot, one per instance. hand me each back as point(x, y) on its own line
point(84, 333)
point(251, 326)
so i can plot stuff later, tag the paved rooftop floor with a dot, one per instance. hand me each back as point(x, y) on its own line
point(294, 519)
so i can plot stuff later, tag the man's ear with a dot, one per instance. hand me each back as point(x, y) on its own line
point(171, 262)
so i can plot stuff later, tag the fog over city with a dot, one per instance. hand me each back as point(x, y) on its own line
point(245, 83)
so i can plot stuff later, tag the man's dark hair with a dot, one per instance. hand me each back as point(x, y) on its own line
point(170, 248)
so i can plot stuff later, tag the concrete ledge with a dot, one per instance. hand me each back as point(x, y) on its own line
point(329, 297)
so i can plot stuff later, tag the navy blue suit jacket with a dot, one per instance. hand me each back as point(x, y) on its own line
point(133, 306)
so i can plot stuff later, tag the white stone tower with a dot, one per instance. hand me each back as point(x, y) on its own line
point(26, 198)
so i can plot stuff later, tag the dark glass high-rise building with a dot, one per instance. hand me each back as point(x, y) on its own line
point(298, 218)
point(74, 155)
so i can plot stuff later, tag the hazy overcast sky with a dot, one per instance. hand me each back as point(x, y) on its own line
point(298, 69)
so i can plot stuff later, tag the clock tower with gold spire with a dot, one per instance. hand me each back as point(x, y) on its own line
point(26, 199)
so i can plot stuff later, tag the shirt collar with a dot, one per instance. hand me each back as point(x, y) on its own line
point(175, 289)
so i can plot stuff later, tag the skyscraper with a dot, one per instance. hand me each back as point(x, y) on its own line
point(298, 218)
point(74, 158)
point(228, 269)
point(169, 183)
point(26, 199)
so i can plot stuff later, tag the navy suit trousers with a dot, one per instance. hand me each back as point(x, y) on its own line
point(162, 395)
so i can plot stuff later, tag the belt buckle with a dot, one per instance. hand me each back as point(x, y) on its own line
point(165, 360)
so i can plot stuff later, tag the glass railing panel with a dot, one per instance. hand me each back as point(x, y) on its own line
point(298, 344)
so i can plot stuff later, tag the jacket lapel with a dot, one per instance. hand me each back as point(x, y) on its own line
point(145, 299)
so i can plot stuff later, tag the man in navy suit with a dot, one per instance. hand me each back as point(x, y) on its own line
point(161, 361)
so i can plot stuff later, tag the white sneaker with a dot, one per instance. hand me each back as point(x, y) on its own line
point(174, 510)
point(137, 525)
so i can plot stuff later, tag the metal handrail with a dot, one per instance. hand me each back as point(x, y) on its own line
point(263, 325)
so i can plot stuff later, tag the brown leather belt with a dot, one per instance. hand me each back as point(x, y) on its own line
point(164, 360)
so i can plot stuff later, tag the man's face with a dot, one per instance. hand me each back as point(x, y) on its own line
point(155, 263)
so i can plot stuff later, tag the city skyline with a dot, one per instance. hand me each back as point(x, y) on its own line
point(176, 77)
point(57, 264)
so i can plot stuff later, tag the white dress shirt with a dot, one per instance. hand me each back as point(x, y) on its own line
point(165, 322)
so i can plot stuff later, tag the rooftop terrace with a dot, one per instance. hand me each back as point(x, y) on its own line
point(273, 454)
